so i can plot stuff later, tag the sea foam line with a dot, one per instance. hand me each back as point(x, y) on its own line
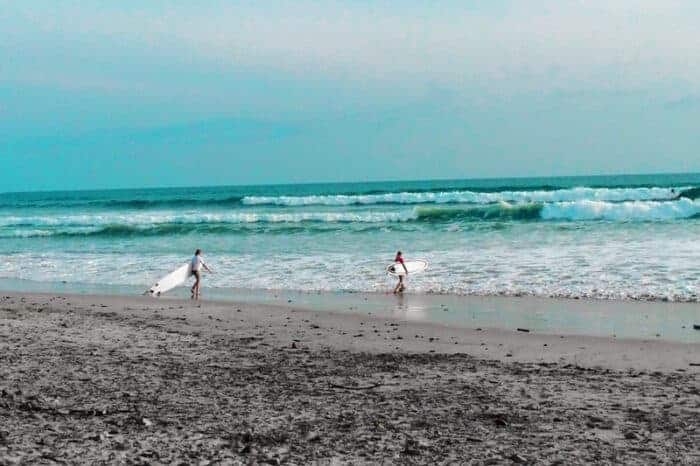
point(127, 219)
point(471, 197)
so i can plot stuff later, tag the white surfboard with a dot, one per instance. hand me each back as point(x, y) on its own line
point(175, 278)
point(413, 266)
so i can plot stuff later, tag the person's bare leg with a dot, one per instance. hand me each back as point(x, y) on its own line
point(399, 285)
point(197, 285)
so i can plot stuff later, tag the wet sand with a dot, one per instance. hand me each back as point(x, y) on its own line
point(88, 379)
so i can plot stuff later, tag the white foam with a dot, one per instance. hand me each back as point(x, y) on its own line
point(155, 218)
point(626, 264)
point(471, 197)
point(623, 211)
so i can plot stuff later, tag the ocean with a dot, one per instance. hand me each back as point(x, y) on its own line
point(606, 237)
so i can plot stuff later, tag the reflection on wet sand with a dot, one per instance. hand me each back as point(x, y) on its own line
point(409, 307)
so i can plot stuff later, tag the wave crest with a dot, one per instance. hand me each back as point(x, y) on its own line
point(567, 211)
point(692, 193)
point(473, 197)
point(500, 211)
point(165, 223)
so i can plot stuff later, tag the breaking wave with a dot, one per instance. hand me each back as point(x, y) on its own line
point(691, 193)
point(474, 197)
point(193, 199)
point(568, 211)
point(164, 223)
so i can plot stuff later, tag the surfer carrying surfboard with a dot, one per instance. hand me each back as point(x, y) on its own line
point(399, 260)
point(197, 265)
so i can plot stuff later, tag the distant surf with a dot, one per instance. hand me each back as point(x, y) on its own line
point(174, 223)
point(477, 197)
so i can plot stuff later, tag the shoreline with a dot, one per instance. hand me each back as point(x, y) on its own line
point(109, 379)
point(357, 331)
point(617, 319)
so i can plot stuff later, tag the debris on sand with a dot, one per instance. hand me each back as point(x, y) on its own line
point(120, 388)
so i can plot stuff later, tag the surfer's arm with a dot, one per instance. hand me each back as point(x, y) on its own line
point(404, 267)
point(206, 267)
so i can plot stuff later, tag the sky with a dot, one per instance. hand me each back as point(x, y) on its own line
point(127, 94)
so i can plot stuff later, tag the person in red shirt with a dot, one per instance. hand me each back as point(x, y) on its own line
point(399, 260)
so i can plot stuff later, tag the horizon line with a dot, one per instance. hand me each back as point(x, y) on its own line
point(308, 183)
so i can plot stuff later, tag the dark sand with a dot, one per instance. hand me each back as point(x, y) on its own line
point(89, 379)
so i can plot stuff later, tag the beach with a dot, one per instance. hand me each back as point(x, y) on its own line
point(89, 379)
point(349, 233)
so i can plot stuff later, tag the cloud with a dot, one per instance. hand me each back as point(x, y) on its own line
point(391, 88)
point(227, 53)
point(521, 44)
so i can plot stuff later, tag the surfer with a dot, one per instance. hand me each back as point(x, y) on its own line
point(399, 260)
point(197, 265)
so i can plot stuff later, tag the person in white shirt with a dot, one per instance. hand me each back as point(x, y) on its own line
point(197, 265)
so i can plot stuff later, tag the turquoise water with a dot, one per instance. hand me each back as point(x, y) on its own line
point(624, 237)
